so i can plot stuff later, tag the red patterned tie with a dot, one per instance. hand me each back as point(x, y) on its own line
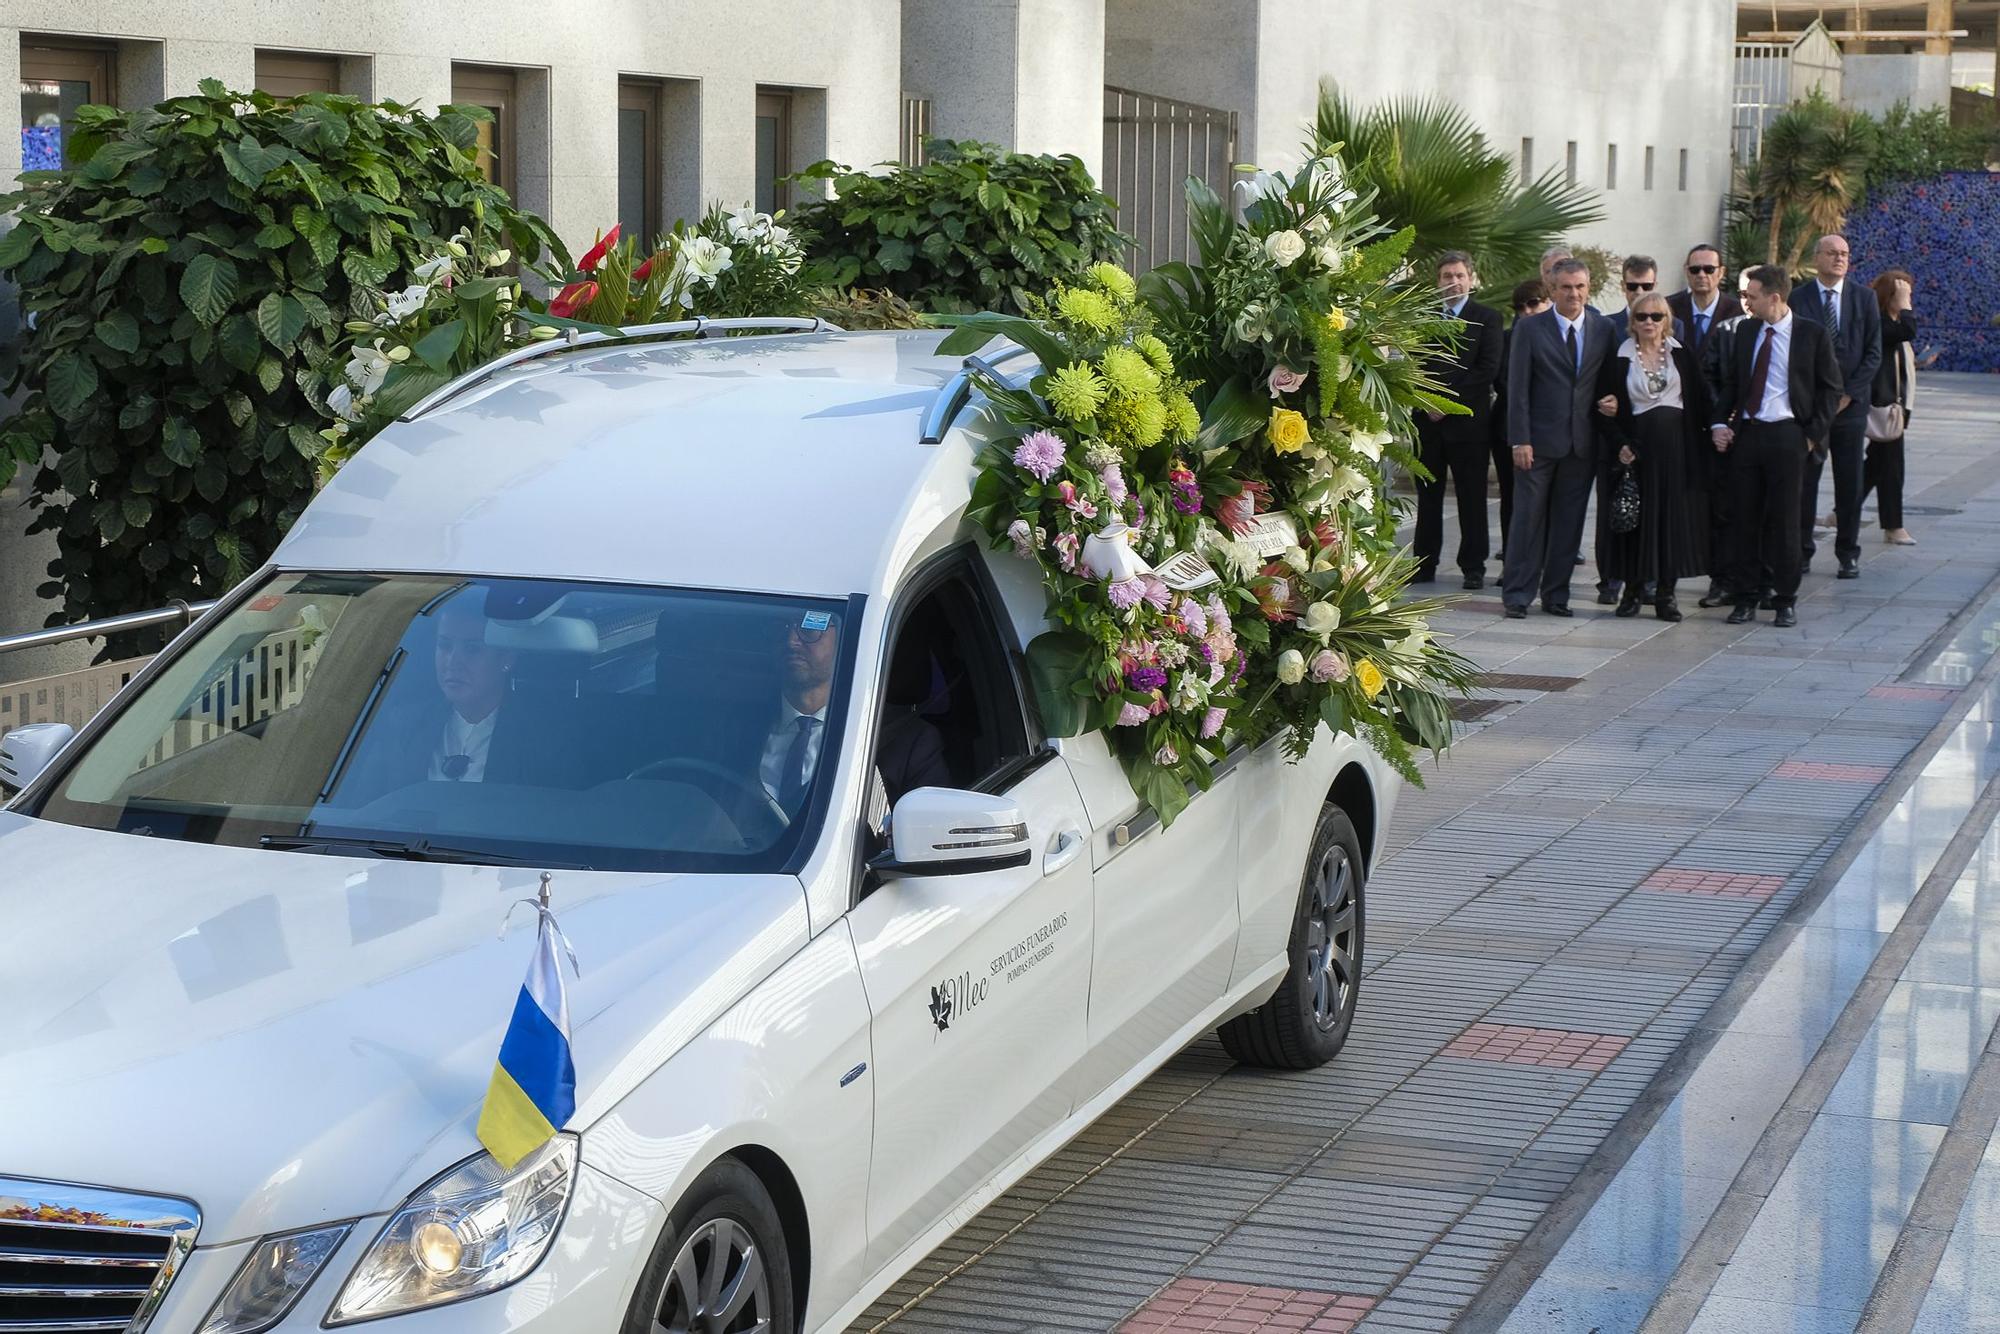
point(1760, 374)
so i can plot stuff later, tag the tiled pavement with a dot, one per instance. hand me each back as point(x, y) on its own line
point(1581, 879)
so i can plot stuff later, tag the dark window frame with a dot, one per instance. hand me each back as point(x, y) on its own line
point(646, 96)
point(778, 104)
point(498, 89)
point(66, 60)
point(301, 71)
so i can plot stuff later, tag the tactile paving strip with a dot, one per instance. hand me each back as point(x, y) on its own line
point(1715, 884)
point(1193, 1304)
point(1521, 1044)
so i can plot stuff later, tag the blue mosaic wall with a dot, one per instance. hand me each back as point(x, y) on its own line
point(1946, 232)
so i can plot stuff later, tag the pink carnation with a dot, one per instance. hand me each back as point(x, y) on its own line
point(1132, 715)
point(1211, 722)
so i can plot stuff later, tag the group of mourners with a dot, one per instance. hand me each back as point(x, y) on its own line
point(1701, 422)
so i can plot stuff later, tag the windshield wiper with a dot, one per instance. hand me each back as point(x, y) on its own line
point(412, 850)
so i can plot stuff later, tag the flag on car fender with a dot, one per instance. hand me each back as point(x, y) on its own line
point(533, 1090)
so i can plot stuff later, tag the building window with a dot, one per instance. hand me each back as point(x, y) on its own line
point(1684, 169)
point(1611, 166)
point(639, 161)
point(774, 150)
point(55, 81)
point(296, 73)
point(1649, 166)
point(1569, 163)
point(496, 90)
point(1527, 160)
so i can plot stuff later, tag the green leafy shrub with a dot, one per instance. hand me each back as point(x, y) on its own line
point(971, 229)
point(185, 277)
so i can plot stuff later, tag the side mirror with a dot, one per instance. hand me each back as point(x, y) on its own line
point(943, 831)
point(26, 751)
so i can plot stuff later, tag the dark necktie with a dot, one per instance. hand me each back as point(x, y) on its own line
point(1569, 346)
point(1831, 302)
point(1760, 374)
point(798, 773)
point(1700, 329)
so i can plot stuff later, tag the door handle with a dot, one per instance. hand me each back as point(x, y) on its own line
point(1064, 848)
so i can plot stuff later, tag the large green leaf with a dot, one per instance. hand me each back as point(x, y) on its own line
point(1057, 660)
point(281, 319)
point(69, 384)
point(119, 330)
point(436, 348)
point(1234, 412)
point(208, 286)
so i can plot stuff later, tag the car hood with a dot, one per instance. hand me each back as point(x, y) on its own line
point(289, 1038)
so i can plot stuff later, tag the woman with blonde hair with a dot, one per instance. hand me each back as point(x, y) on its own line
point(1654, 406)
point(1889, 405)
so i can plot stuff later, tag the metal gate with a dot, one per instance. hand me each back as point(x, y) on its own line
point(1151, 146)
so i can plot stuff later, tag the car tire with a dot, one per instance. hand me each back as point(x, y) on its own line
point(727, 1219)
point(1306, 1021)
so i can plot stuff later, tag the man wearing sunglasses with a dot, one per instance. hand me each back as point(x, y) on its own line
point(1642, 275)
point(1705, 309)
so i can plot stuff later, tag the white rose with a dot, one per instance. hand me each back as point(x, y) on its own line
point(1330, 256)
point(1322, 619)
point(432, 269)
point(1291, 667)
point(1284, 247)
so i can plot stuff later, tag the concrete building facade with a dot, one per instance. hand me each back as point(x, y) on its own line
point(643, 111)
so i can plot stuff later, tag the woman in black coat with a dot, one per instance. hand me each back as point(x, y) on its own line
point(1654, 406)
point(1883, 473)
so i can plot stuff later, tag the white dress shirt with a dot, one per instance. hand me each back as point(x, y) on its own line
point(1563, 324)
point(778, 746)
point(471, 740)
point(1777, 404)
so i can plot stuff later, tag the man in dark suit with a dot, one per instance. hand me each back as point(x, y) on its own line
point(1453, 444)
point(1704, 309)
point(1780, 389)
point(1529, 298)
point(1848, 311)
point(1551, 392)
point(1642, 275)
point(1703, 304)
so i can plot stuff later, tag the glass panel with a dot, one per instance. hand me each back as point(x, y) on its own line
point(556, 723)
point(767, 164)
point(632, 151)
point(48, 115)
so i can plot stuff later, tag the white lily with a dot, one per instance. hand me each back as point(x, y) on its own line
point(433, 269)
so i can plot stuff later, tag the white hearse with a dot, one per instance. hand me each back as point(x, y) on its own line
point(675, 622)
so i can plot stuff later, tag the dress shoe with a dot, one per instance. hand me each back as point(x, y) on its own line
point(1557, 609)
point(1517, 613)
point(1667, 609)
point(1849, 569)
point(1629, 604)
point(1714, 597)
point(1786, 617)
point(1744, 612)
point(1607, 595)
point(1424, 577)
point(1474, 581)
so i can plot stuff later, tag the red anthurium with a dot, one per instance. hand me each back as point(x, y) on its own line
point(575, 297)
point(595, 255)
point(644, 271)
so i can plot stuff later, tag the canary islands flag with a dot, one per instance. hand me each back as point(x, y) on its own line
point(534, 1084)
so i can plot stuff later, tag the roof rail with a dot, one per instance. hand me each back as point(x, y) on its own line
point(184, 612)
point(574, 338)
point(957, 391)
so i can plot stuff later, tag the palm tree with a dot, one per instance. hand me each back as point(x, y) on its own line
point(1430, 168)
point(1812, 167)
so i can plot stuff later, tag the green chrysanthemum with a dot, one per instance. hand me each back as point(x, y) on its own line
point(1087, 309)
point(1139, 422)
point(1128, 374)
point(1076, 392)
point(1114, 282)
point(1183, 422)
point(1155, 352)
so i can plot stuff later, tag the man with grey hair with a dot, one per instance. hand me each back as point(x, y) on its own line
point(1551, 393)
point(1850, 314)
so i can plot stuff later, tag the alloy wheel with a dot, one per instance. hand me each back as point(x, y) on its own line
point(718, 1284)
point(1330, 937)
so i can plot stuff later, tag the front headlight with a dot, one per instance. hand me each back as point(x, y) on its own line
point(475, 1229)
point(270, 1281)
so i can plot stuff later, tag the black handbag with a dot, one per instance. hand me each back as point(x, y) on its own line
point(1625, 502)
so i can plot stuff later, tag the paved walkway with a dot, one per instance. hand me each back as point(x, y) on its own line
point(1593, 867)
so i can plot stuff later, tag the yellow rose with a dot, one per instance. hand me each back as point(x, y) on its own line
point(1369, 677)
point(1336, 319)
point(1288, 431)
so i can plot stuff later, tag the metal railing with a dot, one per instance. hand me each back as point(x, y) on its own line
point(572, 339)
point(915, 137)
point(1151, 146)
point(957, 391)
point(184, 612)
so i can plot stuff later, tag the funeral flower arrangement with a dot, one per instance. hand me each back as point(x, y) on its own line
point(1197, 472)
point(727, 265)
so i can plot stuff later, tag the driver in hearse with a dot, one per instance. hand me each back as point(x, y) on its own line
point(909, 752)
